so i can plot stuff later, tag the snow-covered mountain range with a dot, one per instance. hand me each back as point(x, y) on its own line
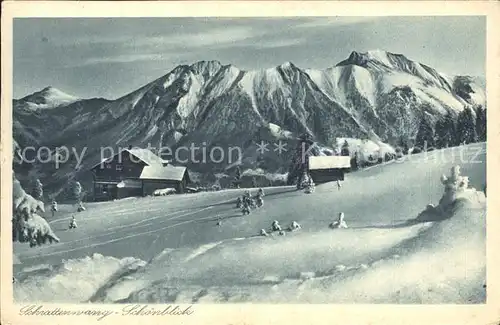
point(369, 95)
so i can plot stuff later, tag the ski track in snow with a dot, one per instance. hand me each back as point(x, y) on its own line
point(120, 213)
point(128, 227)
point(120, 238)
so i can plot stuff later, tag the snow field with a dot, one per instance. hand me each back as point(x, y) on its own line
point(381, 258)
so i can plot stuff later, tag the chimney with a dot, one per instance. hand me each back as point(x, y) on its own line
point(129, 147)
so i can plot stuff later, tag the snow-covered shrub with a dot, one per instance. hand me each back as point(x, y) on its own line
point(80, 208)
point(415, 150)
point(27, 225)
point(456, 189)
point(77, 192)
point(306, 181)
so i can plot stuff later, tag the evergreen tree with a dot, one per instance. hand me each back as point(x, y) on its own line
point(388, 156)
point(355, 163)
point(440, 134)
point(300, 160)
point(261, 162)
point(451, 135)
point(481, 123)
point(425, 135)
point(445, 132)
point(216, 186)
point(345, 149)
point(162, 126)
point(237, 177)
point(77, 192)
point(466, 128)
point(37, 192)
point(304, 181)
point(399, 152)
point(403, 144)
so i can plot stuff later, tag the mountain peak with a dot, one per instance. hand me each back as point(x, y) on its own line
point(377, 52)
point(204, 63)
point(48, 97)
point(363, 58)
point(48, 88)
point(287, 65)
point(206, 68)
point(54, 91)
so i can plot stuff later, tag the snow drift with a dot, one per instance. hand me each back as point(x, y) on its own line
point(72, 281)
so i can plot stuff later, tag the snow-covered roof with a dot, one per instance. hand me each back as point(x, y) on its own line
point(101, 162)
point(169, 172)
point(327, 162)
point(145, 155)
point(156, 167)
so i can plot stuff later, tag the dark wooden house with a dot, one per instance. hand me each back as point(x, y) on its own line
point(325, 169)
point(136, 172)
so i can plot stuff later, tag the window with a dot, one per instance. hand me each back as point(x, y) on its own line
point(119, 167)
point(108, 166)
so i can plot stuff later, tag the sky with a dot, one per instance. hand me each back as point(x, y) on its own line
point(110, 57)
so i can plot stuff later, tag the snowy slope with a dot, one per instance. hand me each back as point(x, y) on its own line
point(326, 268)
point(382, 258)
